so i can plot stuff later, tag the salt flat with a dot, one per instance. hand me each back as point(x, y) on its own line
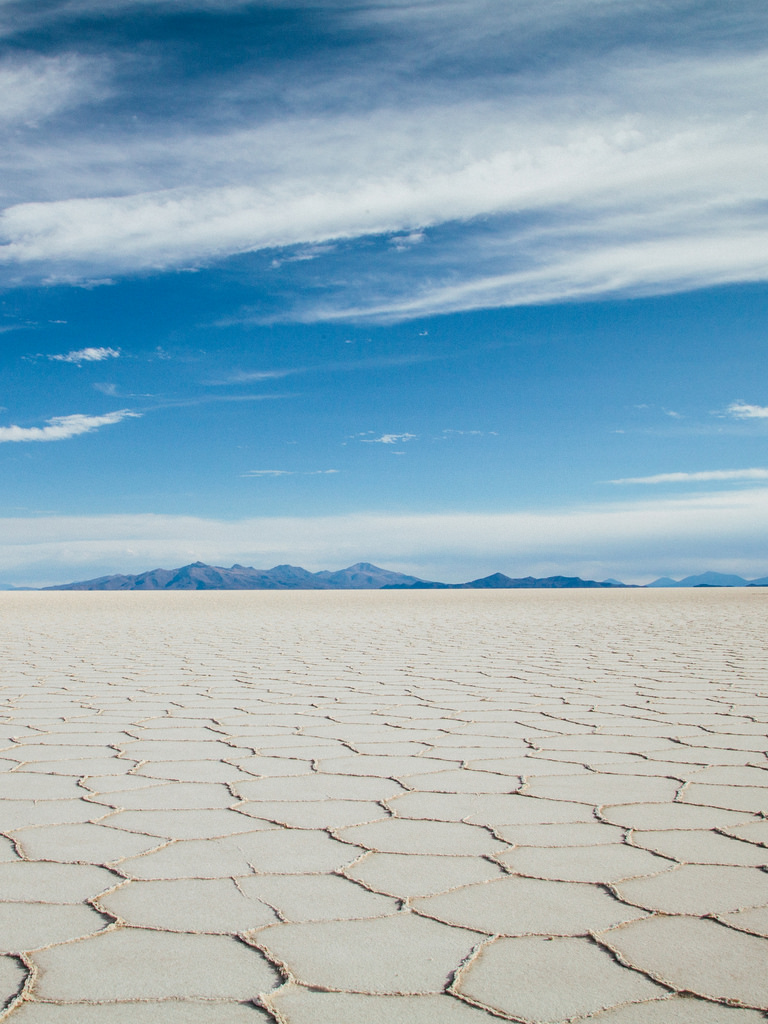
point(384, 807)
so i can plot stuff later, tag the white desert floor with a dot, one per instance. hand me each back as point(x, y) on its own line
point(384, 808)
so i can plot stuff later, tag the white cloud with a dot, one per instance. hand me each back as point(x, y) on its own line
point(61, 428)
point(743, 411)
point(303, 255)
point(448, 432)
point(633, 540)
point(87, 355)
point(287, 472)
point(627, 176)
point(404, 242)
point(38, 87)
point(248, 376)
point(389, 439)
point(268, 472)
point(706, 475)
point(585, 262)
point(7, 328)
point(116, 7)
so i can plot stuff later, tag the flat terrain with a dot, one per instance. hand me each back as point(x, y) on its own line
point(384, 808)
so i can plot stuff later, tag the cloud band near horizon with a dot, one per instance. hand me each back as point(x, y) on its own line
point(631, 540)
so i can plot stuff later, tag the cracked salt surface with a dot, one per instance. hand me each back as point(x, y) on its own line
point(380, 808)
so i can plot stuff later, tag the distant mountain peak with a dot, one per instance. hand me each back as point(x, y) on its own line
point(359, 576)
point(704, 579)
point(496, 579)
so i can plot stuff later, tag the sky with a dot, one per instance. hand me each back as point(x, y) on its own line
point(450, 287)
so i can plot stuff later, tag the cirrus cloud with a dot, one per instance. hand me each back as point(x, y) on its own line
point(634, 175)
point(710, 475)
point(35, 87)
point(61, 428)
point(257, 473)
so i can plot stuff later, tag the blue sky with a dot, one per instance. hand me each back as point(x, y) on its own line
point(450, 287)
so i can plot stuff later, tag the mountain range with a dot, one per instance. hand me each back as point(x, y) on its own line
point(709, 579)
point(199, 576)
point(498, 581)
point(361, 576)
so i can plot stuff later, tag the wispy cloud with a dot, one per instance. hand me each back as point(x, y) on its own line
point(34, 88)
point(287, 472)
point(742, 411)
point(345, 366)
point(302, 255)
point(709, 475)
point(404, 242)
point(87, 355)
point(467, 433)
point(249, 376)
point(268, 472)
point(61, 428)
point(188, 403)
point(570, 178)
point(7, 328)
point(389, 439)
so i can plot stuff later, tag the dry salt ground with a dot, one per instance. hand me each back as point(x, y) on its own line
point(384, 808)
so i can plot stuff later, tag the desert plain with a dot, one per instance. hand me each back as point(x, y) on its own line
point(384, 807)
